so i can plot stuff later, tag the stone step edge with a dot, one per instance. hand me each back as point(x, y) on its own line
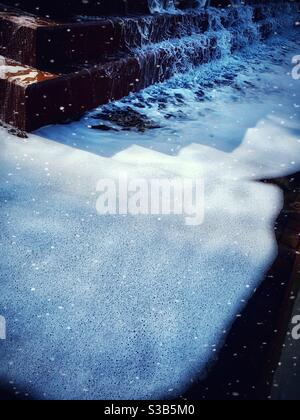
point(31, 98)
point(44, 44)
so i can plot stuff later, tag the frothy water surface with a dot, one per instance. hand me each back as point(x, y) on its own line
point(135, 307)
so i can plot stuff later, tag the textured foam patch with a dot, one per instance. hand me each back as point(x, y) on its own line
point(135, 307)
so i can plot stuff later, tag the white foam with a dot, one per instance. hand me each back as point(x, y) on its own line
point(133, 307)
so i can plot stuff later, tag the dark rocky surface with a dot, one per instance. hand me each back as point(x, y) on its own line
point(126, 119)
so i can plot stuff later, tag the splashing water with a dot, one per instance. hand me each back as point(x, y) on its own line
point(160, 6)
point(197, 37)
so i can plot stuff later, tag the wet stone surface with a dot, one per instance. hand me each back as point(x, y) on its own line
point(123, 119)
point(15, 131)
point(78, 64)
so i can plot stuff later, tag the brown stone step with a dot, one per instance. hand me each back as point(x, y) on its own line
point(32, 98)
point(62, 8)
point(16, 81)
point(19, 35)
point(46, 44)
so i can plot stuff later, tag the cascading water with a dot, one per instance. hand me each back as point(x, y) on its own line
point(152, 48)
point(165, 45)
point(161, 6)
